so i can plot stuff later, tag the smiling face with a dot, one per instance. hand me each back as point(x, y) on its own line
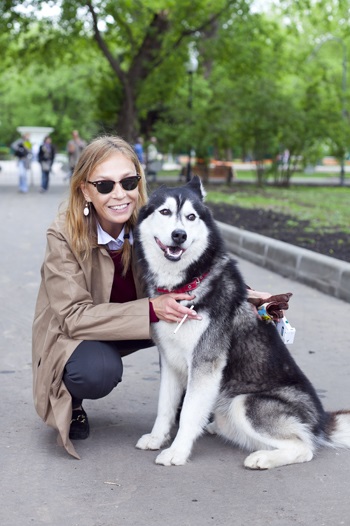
point(176, 236)
point(115, 208)
point(175, 231)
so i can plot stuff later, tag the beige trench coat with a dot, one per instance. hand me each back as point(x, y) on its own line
point(72, 306)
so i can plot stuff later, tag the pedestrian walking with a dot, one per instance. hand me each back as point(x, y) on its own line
point(153, 159)
point(22, 150)
point(138, 147)
point(46, 157)
point(74, 150)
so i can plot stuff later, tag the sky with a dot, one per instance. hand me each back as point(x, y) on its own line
point(257, 6)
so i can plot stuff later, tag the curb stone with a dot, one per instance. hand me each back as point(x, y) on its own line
point(326, 274)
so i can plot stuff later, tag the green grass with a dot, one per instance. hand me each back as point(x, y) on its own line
point(168, 173)
point(327, 209)
point(251, 175)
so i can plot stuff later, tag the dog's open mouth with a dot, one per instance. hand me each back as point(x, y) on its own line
point(172, 253)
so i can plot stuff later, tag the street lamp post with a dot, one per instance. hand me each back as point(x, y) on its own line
point(191, 68)
point(343, 110)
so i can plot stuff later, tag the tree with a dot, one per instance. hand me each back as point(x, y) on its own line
point(322, 29)
point(56, 93)
point(239, 102)
point(121, 66)
point(135, 38)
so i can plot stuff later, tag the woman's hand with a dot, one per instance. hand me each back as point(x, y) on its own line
point(275, 304)
point(167, 308)
point(256, 297)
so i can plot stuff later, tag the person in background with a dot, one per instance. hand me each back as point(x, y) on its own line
point(138, 147)
point(152, 159)
point(74, 150)
point(91, 310)
point(22, 150)
point(46, 157)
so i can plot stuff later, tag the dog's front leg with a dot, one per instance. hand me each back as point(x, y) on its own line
point(202, 392)
point(170, 392)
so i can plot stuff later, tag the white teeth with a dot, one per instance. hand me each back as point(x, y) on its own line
point(118, 207)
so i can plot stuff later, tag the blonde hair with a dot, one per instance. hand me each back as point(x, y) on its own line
point(82, 230)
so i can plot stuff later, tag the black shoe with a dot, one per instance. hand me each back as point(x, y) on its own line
point(79, 425)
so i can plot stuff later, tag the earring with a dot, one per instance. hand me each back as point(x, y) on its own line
point(86, 209)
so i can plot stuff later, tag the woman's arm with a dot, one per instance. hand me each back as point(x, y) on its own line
point(72, 304)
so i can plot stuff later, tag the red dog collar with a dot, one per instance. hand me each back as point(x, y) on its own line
point(186, 288)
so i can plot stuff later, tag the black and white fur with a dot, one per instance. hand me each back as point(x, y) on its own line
point(231, 363)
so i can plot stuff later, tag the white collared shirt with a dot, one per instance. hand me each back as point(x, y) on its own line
point(113, 244)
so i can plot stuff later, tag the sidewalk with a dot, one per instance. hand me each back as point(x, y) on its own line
point(116, 485)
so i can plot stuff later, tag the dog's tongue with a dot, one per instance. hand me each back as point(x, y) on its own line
point(170, 252)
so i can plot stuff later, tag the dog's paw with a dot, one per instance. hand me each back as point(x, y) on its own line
point(172, 457)
point(259, 460)
point(150, 441)
point(278, 457)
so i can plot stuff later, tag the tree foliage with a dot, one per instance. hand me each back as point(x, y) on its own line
point(266, 82)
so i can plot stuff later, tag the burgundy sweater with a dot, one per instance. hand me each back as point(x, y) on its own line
point(123, 288)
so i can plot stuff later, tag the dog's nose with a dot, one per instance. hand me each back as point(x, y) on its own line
point(179, 236)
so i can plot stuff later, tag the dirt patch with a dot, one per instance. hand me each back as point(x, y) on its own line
point(284, 228)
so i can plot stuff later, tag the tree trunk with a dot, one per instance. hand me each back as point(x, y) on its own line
point(260, 172)
point(128, 118)
point(149, 55)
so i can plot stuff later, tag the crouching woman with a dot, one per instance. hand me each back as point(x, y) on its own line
point(90, 310)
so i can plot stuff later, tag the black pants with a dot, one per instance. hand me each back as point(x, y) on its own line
point(96, 367)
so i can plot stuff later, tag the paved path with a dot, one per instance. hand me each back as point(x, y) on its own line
point(116, 485)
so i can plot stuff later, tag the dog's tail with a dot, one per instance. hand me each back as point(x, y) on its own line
point(338, 429)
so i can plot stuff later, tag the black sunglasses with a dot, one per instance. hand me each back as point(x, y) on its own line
point(106, 187)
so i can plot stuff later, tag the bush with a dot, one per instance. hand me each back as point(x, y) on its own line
point(5, 153)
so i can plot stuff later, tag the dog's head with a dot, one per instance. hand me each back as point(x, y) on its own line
point(175, 225)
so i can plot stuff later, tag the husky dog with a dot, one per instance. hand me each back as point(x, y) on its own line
point(231, 364)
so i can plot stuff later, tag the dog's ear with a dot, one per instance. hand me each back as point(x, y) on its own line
point(196, 186)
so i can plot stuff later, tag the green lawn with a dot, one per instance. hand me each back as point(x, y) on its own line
point(327, 209)
point(251, 175)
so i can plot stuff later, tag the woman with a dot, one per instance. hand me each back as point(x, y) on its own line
point(46, 157)
point(90, 310)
